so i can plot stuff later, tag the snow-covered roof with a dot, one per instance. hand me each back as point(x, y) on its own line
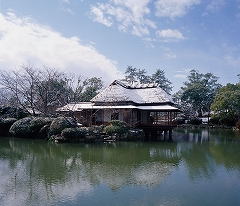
point(76, 107)
point(159, 107)
point(89, 105)
point(122, 91)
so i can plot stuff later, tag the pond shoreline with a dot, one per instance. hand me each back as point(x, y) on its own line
point(67, 130)
point(206, 126)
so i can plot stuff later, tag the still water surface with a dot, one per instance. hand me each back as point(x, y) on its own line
point(200, 167)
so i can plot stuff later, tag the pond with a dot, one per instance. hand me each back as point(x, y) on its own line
point(199, 167)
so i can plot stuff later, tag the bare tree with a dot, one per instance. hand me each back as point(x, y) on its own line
point(21, 85)
point(46, 89)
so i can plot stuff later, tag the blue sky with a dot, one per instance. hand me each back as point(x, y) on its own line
point(102, 37)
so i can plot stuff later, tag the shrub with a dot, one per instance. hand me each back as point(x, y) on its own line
point(37, 123)
point(21, 128)
point(60, 124)
point(238, 125)
point(96, 129)
point(43, 132)
point(31, 127)
point(5, 125)
point(74, 133)
point(116, 127)
point(228, 119)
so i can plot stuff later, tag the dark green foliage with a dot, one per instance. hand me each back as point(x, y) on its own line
point(198, 92)
point(13, 112)
point(74, 133)
point(21, 128)
point(227, 119)
point(133, 74)
point(96, 129)
point(90, 89)
point(226, 104)
point(60, 124)
point(37, 123)
point(160, 79)
point(31, 127)
point(44, 131)
point(195, 121)
point(5, 125)
point(116, 127)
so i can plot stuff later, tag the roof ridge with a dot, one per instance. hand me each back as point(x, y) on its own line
point(134, 84)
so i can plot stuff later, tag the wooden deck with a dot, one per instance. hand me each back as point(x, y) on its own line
point(156, 131)
point(158, 126)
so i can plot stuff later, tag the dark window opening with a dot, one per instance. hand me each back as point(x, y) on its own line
point(115, 116)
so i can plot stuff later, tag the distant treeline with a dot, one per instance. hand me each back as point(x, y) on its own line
point(200, 95)
point(43, 90)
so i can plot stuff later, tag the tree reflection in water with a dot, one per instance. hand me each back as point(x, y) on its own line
point(33, 171)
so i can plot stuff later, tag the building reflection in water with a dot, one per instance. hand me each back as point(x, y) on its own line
point(36, 171)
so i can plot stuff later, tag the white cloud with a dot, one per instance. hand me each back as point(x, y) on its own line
point(169, 35)
point(174, 8)
point(25, 42)
point(182, 74)
point(128, 15)
point(99, 16)
point(134, 16)
point(215, 5)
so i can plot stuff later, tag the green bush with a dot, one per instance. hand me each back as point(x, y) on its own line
point(31, 127)
point(228, 119)
point(74, 133)
point(96, 129)
point(21, 128)
point(60, 124)
point(43, 132)
point(116, 127)
point(5, 125)
point(38, 123)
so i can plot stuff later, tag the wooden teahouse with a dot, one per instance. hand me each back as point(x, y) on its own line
point(144, 106)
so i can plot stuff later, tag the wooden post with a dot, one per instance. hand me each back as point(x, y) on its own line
point(170, 135)
point(171, 118)
point(91, 118)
